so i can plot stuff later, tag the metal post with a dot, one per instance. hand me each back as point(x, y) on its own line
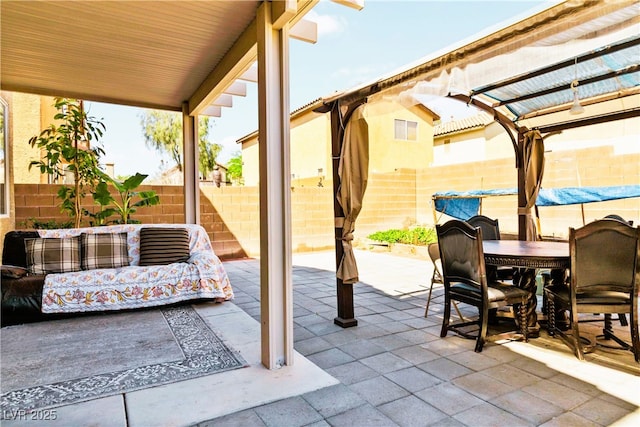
point(276, 289)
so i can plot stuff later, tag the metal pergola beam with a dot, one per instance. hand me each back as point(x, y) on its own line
point(558, 66)
point(602, 77)
point(592, 120)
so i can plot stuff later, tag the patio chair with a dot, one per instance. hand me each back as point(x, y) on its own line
point(604, 279)
point(465, 280)
point(621, 316)
point(436, 277)
point(619, 218)
point(490, 227)
point(491, 231)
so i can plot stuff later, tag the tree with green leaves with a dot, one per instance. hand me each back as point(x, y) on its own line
point(162, 131)
point(234, 169)
point(71, 143)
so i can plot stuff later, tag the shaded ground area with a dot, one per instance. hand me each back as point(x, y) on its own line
point(394, 369)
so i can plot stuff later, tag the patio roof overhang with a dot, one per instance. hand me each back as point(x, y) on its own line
point(139, 53)
point(181, 56)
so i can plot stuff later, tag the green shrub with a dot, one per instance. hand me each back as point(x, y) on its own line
point(415, 236)
point(51, 224)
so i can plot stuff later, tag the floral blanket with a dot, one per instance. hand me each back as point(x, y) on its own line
point(134, 286)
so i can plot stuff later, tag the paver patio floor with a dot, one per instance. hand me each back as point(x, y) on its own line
point(394, 369)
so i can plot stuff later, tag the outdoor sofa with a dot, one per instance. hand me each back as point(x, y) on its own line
point(56, 273)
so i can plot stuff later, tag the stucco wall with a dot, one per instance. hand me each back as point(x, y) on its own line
point(310, 150)
point(387, 154)
point(7, 220)
point(311, 145)
point(26, 112)
point(250, 156)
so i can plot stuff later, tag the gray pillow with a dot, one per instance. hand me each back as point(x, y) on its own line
point(162, 246)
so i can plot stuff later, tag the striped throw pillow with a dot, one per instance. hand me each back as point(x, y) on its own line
point(106, 250)
point(161, 246)
point(50, 255)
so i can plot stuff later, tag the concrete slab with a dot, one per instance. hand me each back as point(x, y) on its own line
point(106, 412)
point(188, 402)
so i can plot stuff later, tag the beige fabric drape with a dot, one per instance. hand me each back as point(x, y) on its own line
point(354, 173)
point(533, 157)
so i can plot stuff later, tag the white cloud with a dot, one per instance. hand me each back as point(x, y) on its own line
point(327, 24)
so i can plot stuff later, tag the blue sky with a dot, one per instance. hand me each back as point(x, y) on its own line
point(353, 47)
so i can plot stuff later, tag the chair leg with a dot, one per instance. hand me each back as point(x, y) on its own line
point(445, 318)
point(576, 336)
point(482, 333)
point(426, 310)
point(635, 340)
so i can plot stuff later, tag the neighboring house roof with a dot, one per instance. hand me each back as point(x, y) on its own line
point(221, 166)
point(478, 121)
point(310, 105)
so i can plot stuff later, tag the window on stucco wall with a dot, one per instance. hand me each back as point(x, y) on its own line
point(405, 130)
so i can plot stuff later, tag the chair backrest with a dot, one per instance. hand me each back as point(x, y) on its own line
point(461, 254)
point(490, 227)
point(619, 218)
point(604, 256)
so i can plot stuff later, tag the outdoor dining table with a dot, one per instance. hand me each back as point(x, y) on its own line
point(529, 257)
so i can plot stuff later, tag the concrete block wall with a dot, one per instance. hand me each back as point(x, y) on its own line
point(231, 215)
point(40, 201)
point(596, 166)
point(389, 202)
point(490, 174)
point(312, 219)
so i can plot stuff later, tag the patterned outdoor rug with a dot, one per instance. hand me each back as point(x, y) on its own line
point(176, 345)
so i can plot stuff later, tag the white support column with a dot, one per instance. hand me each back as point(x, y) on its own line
point(190, 166)
point(275, 191)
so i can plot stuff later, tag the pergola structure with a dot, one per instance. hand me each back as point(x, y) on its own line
point(186, 56)
point(568, 55)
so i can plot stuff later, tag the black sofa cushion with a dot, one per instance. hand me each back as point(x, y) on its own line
point(14, 252)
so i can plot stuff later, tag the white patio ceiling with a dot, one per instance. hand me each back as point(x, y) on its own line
point(138, 53)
